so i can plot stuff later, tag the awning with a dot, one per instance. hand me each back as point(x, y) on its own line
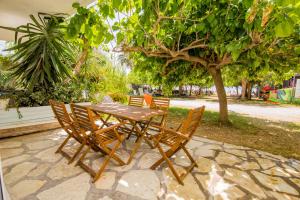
point(14, 13)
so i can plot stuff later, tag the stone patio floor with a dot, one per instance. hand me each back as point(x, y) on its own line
point(33, 171)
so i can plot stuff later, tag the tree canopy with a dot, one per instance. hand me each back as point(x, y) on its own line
point(203, 34)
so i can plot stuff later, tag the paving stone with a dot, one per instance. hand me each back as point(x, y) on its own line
point(204, 152)
point(190, 189)
point(6, 153)
point(10, 144)
point(276, 171)
point(280, 196)
point(123, 168)
point(49, 155)
point(106, 181)
point(237, 152)
point(19, 171)
point(105, 198)
point(192, 144)
point(182, 159)
point(206, 165)
point(232, 146)
point(265, 163)
point(38, 145)
point(14, 160)
point(25, 188)
point(274, 183)
point(141, 183)
point(212, 146)
point(148, 159)
point(291, 170)
point(296, 181)
point(123, 154)
point(4, 170)
point(227, 159)
point(248, 165)
point(272, 156)
point(39, 170)
point(253, 154)
point(74, 188)
point(62, 170)
point(205, 140)
point(244, 180)
point(218, 188)
point(296, 165)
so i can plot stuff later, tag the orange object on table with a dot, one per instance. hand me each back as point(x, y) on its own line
point(148, 99)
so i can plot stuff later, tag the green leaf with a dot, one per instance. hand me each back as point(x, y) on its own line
point(284, 29)
point(75, 5)
point(235, 54)
point(116, 3)
point(297, 49)
point(120, 37)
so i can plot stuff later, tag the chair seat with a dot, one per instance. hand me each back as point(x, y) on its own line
point(106, 137)
point(169, 138)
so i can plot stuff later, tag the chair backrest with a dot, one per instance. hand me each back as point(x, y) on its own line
point(191, 123)
point(60, 112)
point(160, 103)
point(83, 117)
point(136, 101)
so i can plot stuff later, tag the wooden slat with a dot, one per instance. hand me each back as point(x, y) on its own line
point(126, 112)
point(136, 101)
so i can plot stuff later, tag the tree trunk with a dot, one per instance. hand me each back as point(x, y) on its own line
point(223, 109)
point(249, 90)
point(82, 58)
point(180, 90)
point(191, 88)
point(244, 88)
point(237, 90)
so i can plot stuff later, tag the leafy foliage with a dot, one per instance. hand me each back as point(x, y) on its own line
point(5, 79)
point(41, 55)
point(100, 77)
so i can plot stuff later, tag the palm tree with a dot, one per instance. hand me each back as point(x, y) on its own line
point(41, 55)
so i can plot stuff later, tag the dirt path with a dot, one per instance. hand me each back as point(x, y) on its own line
point(270, 112)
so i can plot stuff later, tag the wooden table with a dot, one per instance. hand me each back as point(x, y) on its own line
point(134, 115)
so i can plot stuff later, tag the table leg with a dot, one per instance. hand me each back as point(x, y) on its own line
point(104, 122)
point(141, 136)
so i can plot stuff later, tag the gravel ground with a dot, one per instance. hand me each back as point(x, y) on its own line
point(269, 112)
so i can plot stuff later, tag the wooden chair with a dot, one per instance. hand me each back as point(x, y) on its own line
point(161, 104)
point(99, 139)
point(136, 101)
point(176, 140)
point(133, 101)
point(66, 122)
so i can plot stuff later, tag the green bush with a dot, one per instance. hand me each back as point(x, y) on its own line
point(119, 97)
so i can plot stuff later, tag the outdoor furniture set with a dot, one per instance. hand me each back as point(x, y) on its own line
point(132, 119)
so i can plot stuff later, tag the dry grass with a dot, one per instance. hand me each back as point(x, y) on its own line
point(279, 138)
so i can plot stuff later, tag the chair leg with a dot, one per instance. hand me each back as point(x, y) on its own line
point(83, 155)
point(170, 164)
point(189, 155)
point(134, 150)
point(106, 161)
point(76, 153)
point(169, 153)
point(63, 144)
point(129, 135)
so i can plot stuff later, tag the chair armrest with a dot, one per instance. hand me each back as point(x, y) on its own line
point(164, 130)
point(111, 128)
point(103, 130)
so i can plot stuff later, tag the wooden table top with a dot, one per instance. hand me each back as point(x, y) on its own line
point(126, 112)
